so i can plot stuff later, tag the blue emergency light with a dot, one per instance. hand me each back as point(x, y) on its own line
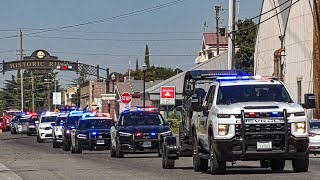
point(94, 133)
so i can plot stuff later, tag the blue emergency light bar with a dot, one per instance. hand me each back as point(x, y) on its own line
point(76, 112)
point(226, 78)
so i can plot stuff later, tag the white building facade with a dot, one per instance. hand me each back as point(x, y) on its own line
point(295, 24)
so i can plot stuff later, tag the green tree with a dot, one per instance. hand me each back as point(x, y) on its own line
point(146, 56)
point(245, 40)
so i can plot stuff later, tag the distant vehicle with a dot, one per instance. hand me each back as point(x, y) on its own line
point(92, 132)
point(44, 126)
point(13, 124)
point(31, 129)
point(314, 137)
point(71, 122)
point(8, 116)
point(140, 131)
point(57, 130)
point(20, 126)
point(2, 125)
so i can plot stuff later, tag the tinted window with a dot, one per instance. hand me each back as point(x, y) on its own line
point(23, 120)
point(48, 119)
point(34, 119)
point(252, 93)
point(95, 124)
point(72, 120)
point(141, 118)
point(61, 120)
point(13, 113)
point(315, 125)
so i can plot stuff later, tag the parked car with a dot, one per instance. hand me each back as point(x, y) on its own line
point(314, 137)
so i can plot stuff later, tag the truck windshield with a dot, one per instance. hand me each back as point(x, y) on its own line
point(141, 118)
point(95, 124)
point(45, 119)
point(72, 120)
point(252, 93)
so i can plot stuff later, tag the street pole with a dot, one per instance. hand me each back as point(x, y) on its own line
point(107, 82)
point(55, 89)
point(217, 8)
point(233, 33)
point(230, 35)
point(32, 84)
point(144, 69)
point(316, 57)
point(21, 71)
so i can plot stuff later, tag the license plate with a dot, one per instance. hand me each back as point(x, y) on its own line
point(100, 141)
point(264, 146)
point(146, 144)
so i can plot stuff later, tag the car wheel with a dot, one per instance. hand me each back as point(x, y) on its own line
point(54, 143)
point(28, 133)
point(166, 162)
point(78, 148)
point(301, 165)
point(277, 164)
point(119, 154)
point(199, 164)
point(65, 146)
point(216, 166)
point(265, 163)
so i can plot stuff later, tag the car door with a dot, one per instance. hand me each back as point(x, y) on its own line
point(203, 116)
point(114, 132)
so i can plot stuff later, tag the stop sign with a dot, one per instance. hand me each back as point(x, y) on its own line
point(126, 98)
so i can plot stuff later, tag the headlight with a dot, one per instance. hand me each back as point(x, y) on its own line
point(301, 127)
point(82, 136)
point(167, 133)
point(19, 126)
point(124, 134)
point(68, 131)
point(223, 129)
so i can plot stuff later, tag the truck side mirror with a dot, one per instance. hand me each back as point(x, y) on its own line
point(196, 104)
point(309, 101)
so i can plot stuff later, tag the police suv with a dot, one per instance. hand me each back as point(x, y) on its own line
point(138, 131)
point(57, 130)
point(247, 118)
point(92, 133)
point(44, 126)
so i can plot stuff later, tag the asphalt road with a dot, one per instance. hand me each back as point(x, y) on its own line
point(21, 157)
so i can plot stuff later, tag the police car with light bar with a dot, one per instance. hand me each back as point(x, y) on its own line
point(240, 117)
point(92, 133)
point(70, 124)
point(138, 131)
point(57, 129)
point(43, 126)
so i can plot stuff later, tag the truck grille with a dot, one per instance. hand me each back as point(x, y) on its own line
point(263, 131)
point(147, 136)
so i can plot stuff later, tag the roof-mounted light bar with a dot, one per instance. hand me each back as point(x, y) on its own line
point(245, 78)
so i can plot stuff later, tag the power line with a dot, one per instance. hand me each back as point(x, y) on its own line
point(266, 19)
point(107, 39)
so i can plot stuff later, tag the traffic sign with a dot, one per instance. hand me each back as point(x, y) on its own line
point(126, 98)
point(94, 105)
point(167, 95)
point(56, 98)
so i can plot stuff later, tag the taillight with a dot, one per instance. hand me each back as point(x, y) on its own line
point(138, 134)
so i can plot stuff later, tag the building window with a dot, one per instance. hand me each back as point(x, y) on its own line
point(299, 91)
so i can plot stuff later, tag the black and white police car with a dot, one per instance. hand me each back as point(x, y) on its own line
point(92, 133)
point(138, 131)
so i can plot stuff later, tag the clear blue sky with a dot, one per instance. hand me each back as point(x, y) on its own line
point(188, 16)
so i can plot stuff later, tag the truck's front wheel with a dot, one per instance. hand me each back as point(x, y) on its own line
point(216, 166)
point(277, 165)
point(199, 164)
point(301, 165)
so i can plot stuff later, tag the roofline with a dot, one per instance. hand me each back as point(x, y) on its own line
point(183, 73)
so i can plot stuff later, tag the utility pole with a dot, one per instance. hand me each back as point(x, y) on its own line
point(231, 34)
point(55, 89)
point(32, 87)
point(21, 71)
point(218, 9)
point(316, 57)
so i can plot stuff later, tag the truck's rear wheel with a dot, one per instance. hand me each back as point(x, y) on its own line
point(166, 162)
point(277, 164)
point(216, 166)
point(199, 164)
point(301, 165)
point(265, 163)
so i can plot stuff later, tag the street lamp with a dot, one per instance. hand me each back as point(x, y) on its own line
point(144, 69)
point(113, 78)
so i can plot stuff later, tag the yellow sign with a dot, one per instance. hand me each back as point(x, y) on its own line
point(94, 105)
point(57, 110)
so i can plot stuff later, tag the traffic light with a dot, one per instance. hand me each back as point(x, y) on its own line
point(222, 31)
point(64, 67)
